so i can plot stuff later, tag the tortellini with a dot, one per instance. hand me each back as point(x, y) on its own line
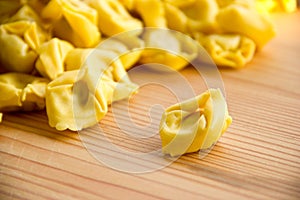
point(22, 92)
point(73, 21)
point(115, 80)
point(151, 11)
point(265, 6)
point(67, 109)
point(194, 124)
point(193, 16)
point(19, 42)
point(228, 49)
point(129, 48)
point(128, 52)
point(58, 41)
point(76, 58)
point(235, 18)
point(168, 48)
point(51, 57)
point(85, 93)
point(36, 5)
point(176, 19)
point(113, 17)
point(25, 13)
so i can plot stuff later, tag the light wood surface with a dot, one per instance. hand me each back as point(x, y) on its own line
point(257, 158)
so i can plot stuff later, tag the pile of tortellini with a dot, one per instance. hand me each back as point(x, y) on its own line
point(44, 44)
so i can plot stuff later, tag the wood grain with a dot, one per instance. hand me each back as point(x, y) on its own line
point(257, 158)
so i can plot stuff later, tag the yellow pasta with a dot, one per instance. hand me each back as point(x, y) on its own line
point(190, 17)
point(57, 39)
point(229, 50)
point(19, 41)
point(25, 13)
point(235, 18)
point(265, 6)
point(73, 21)
point(67, 109)
point(85, 94)
point(129, 48)
point(152, 12)
point(113, 17)
point(22, 92)
point(51, 57)
point(288, 5)
point(76, 58)
point(7, 9)
point(245, 3)
point(164, 47)
point(129, 54)
point(36, 5)
point(104, 65)
point(180, 3)
point(113, 77)
point(176, 19)
point(194, 124)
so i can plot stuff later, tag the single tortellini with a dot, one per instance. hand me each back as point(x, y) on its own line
point(70, 104)
point(51, 57)
point(113, 17)
point(19, 42)
point(245, 20)
point(73, 21)
point(78, 99)
point(194, 124)
point(22, 92)
point(230, 50)
point(168, 48)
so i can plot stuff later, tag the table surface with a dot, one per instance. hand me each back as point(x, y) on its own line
point(257, 158)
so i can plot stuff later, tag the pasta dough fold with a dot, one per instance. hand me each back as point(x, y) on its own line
point(192, 16)
point(22, 92)
point(113, 17)
point(51, 57)
point(152, 12)
point(129, 48)
point(73, 21)
point(19, 42)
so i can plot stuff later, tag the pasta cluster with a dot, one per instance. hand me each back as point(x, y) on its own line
point(44, 45)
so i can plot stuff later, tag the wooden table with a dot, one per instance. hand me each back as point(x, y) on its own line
point(257, 158)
